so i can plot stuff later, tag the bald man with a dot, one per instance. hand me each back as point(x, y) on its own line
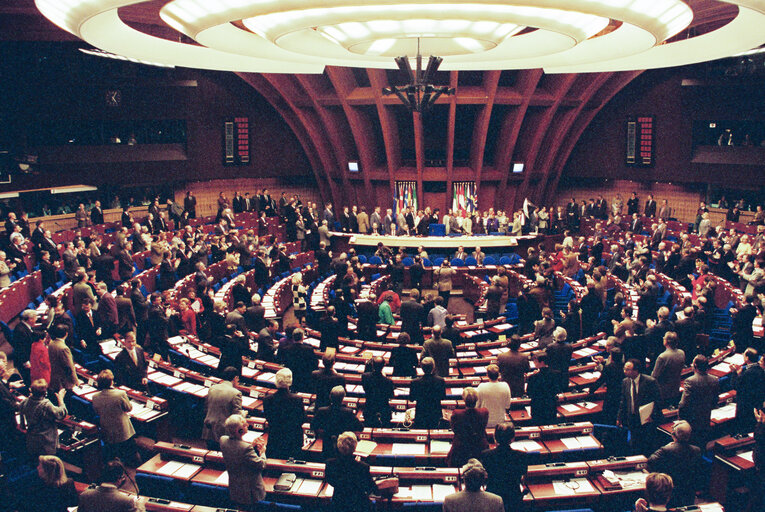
point(682, 461)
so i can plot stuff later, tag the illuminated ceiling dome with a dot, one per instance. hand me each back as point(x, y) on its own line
point(304, 36)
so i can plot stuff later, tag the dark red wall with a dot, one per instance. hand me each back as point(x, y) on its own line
point(40, 89)
point(600, 152)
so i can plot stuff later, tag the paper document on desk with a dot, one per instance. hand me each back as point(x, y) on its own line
point(222, 479)
point(251, 435)
point(170, 467)
point(309, 486)
point(747, 455)
point(725, 412)
point(645, 412)
point(365, 448)
point(422, 493)
point(408, 449)
point(587, 442)
point(527, 445)
point(439, 446)
point(570, 407)
point(737, 359)
point(441, 491)
point(186, 471)
point(571, 443)
point(561, 489)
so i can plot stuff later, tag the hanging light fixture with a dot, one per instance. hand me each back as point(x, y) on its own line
point(419, 95)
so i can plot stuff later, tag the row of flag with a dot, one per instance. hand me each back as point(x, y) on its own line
point(406, 196)
point(465, 198)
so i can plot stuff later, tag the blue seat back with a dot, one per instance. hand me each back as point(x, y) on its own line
point(471, 261)
point(458, 262)
point(489, 260)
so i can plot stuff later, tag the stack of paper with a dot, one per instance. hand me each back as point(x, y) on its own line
point(725, 412)
point(526, 445)
point(438, 446)
point(365, 448)
point(408, 449)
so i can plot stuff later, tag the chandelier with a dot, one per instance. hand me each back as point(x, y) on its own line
point(304, 36)
point(419, 94)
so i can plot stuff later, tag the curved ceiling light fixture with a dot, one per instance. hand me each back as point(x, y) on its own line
point(299, 36)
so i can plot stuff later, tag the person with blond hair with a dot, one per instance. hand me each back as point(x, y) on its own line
point(244, 462)
point(473, 498)
point(469, 426)
point(52, 490)
point(658, 492)
point(351, 479)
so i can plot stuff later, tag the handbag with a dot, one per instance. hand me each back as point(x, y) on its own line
point(285, 482)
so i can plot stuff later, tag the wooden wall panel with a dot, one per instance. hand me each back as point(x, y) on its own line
point(207, 192)
point(683, 199)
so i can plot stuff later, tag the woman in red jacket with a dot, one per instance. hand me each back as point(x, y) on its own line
point(39, 360)
point(469, 426)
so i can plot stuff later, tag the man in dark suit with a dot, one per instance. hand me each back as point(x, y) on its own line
point(633, 204)
point(329, 422)
point(542, 389)
point(329, 327)
point(301, 359)
point(682, 461)
point(700, 395)
point(412, 317)
point(378, 390)
point(223, 400)
point(126, 320)
point(140, 310)
point(325, 379)
point(48, 271)
point(506, 467)
point(650, 207)
point(97, 214)
point(285, 415)
point(638, 390)
point(106, 314)
point(611, 375)
point(559, 358)
point(130, 367)
point(513, 366)
point(88, 329)
point(427, 392)
point(368, 313)
point(749, 382)
point(262, 273)
point(254, 316)
point(266, 342)
point(23, 337)
point(636, 225)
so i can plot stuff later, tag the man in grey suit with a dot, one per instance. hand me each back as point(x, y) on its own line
point(112, 405)
point(81, 290)
point(375, 218)
point(107, 497)
point(700, 395)
point(223, 400)
point(39, 416)
point(236, 317)
point(668, 368)
point(244, 462)
point(473, 499)
point(62, 370)
point(324, 235)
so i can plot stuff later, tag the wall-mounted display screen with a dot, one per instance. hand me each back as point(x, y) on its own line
point(641, 137)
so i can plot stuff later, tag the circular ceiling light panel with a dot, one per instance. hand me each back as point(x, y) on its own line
point(302, 36)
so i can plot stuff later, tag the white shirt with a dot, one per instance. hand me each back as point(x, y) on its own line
point(494, 396)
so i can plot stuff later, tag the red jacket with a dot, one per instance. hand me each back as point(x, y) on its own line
point(39, 361)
